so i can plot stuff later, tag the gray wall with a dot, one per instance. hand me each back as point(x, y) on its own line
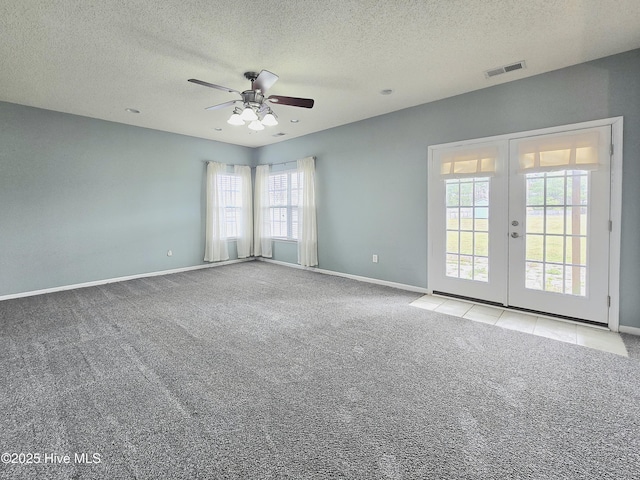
point(84, 199)
point(372, 175)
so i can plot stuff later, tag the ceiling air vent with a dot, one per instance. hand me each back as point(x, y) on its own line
point(505, 69)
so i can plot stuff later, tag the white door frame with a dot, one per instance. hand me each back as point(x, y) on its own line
point(615, 213)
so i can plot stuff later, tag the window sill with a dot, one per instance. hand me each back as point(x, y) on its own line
point(284, 240)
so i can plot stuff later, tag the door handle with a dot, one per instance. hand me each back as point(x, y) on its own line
point(515, 234)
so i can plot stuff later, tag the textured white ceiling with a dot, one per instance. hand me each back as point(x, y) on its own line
point(96, 58)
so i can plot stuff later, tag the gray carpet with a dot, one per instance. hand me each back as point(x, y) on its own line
point(257, 371)
point(632, 342)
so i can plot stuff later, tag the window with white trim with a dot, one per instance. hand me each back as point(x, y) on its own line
point(231, 187)
point(285, 189)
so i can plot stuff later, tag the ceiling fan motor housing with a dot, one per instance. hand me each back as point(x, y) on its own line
point(252, 97)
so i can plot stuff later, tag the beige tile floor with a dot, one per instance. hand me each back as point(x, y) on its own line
point(564, 331)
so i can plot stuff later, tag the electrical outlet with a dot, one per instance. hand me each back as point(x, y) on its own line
point(375, 258)
point(169, 253)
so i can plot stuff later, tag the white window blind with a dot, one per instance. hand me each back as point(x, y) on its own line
point(578, 151)
point(284, 193)
point(479, 162)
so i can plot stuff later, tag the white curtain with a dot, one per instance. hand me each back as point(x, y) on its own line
point(245, 221)
point(216, 235)
point(262, 244)
point(307, 228)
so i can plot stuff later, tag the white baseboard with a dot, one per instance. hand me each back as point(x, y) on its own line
point(400, 286)
point(121, 279)
point(629, 330)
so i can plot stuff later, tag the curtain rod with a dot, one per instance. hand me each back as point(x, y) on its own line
point(279, 163)
point(229, 164)
point(284, 163)
point(270, 164)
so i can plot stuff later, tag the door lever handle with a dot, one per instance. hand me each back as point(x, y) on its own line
point(515, 234)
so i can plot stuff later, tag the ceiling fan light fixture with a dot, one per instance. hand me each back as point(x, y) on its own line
point(256, 125)
point(253, 110)
point(269, 120)
point(248, 115)
point(235, 119)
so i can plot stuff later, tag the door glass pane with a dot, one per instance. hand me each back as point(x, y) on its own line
point(466, 194)
point(554, 220)
point(453, 239)
point(453, 194)
point(576, 250)
point(481, 193)
point(555, 190)
point(467, 235)
point(481, 217)
point(576, 220)
point(535, 189)
point(481, 269)
point(481, 244)
point(554, 248)
point(466, 243)
point(579, 286)
point(534, 275)
point(466, 267)
point(535, 248)
point(453, 265)
point(553, 278)
point(453, 218)
point(466, 219)
point(556, 231)
point(535, 216)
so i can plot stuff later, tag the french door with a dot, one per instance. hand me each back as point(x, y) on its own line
point(524, 222)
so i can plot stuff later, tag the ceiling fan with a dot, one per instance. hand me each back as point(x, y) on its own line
point(254, 107)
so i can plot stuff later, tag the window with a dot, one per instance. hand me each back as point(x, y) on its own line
point(467, 252)
point(557, 204)
point(285, 189)
point(230, 186)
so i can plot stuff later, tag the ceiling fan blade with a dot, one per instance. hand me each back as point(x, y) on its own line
point(211, 85)
point(292, 101)
point(265, 81)
point(222, 105)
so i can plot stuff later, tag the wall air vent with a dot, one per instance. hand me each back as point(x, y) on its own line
point(504, 69)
